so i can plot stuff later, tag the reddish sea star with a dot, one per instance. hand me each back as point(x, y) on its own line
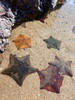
point(50, 79)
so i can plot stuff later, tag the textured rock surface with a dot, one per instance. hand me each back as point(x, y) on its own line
point(6, 22)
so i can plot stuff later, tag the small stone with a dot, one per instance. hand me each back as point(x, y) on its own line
point(73, 29)
point(0, 68)
point(38, 95)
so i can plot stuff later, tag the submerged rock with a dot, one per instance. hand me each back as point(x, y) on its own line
point(7, 20)
point(26, 10)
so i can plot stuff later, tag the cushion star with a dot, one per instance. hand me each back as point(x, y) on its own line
point(22, 41)
point(52, 43)
point(63, 67)
point(19, 68)
point(50, 79)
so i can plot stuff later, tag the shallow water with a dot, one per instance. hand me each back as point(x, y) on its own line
point(59, 24)
point(71, 1)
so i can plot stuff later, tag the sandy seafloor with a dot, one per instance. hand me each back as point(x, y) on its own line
point(59, 24)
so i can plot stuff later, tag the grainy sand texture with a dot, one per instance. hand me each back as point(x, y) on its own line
point(59, 24)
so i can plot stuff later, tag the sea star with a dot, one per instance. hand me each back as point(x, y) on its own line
point(22, 41)
point(50, 79)
point(19, 68)
point(64, 68)
point(52, 43)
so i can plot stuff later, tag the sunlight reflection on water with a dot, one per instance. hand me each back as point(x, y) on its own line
point(71, 1)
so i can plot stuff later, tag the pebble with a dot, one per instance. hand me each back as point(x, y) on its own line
point(0, 68)
point(73, 29)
